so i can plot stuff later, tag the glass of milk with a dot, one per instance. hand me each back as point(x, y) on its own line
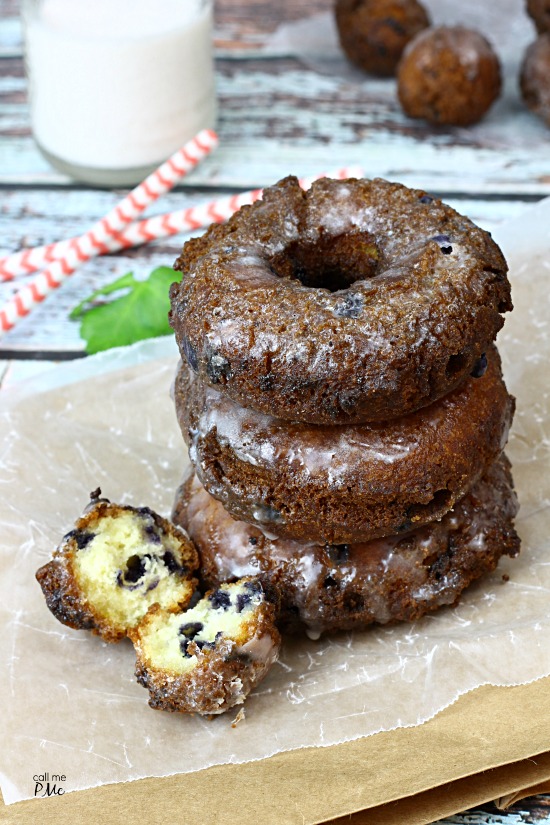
point(116, 86)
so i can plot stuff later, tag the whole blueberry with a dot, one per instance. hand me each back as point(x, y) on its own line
point(480, 367)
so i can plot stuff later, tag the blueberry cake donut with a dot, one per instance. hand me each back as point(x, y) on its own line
point(341, 587)
point(207, 659)
point(448, 75)
point(354, 301)
point(373, 33)
point(345, 484)
point(116, 563)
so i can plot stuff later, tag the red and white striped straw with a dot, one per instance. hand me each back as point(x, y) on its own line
point(95, 241)
point(152, 229)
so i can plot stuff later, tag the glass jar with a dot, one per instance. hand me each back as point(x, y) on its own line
point(116, 86)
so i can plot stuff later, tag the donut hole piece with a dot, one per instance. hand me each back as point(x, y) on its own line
point(332, 262)
point(117, 562)
point(208, 658)
point(130, 563)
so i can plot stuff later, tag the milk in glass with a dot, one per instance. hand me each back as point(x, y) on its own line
point(116, 86)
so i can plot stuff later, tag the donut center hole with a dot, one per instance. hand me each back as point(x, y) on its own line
point(333, 262)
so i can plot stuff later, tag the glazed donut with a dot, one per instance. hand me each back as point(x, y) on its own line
point(354, 301)
point(350, 586)
point(539, 11)
point(344, 484)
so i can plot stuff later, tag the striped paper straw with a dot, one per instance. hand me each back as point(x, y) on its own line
point(152, 229)
point(96, 240)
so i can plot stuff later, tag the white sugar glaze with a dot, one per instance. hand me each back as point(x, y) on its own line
point(332, 453)
point(232, 548)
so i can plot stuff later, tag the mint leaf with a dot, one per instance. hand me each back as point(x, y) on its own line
point(141, 313)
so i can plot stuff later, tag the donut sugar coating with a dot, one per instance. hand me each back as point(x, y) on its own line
point(207, 659)
point(354, 301)
point(117, 562)
point(341, 587)
point(344, 484)
point(373, 33)
point(535, 77)
point(448, 75)
point(539, 11)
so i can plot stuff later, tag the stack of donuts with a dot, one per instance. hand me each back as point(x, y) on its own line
point(343, 403)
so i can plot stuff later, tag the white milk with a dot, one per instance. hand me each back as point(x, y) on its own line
point(118, 84)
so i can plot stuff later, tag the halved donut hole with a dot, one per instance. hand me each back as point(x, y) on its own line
point(333, 262)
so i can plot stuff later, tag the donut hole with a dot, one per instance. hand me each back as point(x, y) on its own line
point(333, 262)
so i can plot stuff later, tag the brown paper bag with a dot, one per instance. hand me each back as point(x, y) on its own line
point(491, 743)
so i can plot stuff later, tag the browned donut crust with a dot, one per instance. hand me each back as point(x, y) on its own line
point(355, 301)
point(340, 587)
point(68, 594)
point(373, 33)
point(539, 10)
point(344, 484)
point(449, 76)
point(535, 77)
point(220, 673)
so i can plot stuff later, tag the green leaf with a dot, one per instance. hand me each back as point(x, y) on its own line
point(141, 313)
point(124, 282)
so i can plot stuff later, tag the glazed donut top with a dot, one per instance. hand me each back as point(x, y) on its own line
point(354, 301)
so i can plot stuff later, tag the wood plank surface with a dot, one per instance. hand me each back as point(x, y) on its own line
point(285, 108)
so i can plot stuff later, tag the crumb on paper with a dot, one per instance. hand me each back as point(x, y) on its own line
point(238, 718)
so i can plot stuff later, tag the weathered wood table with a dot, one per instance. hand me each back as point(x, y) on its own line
point(288, 103)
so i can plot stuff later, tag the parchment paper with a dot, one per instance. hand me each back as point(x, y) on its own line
point(71, 705)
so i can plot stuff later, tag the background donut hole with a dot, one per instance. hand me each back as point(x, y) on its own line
point(332, 262)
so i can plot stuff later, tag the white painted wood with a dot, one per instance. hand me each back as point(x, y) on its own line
point(10, 37)
point(29, 217)
point(484, 818)
point(278, 117)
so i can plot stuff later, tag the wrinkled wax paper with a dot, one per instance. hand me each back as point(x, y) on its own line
point(70, 704)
